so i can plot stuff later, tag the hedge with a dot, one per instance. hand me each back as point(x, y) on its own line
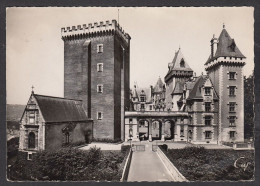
point(70, 164)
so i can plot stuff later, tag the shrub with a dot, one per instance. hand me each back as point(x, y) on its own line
point(200, 164)
point(70, 164)
point(106, 140)
point(125, 148)
point(164, 147)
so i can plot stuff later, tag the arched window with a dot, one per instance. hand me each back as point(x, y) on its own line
point(182, 64)
point(31, 140)
point(67, 137)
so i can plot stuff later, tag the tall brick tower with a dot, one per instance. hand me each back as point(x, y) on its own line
point(225, 68)
point(96, 70)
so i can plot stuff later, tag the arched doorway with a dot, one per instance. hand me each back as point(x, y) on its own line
point(31, 140)
point(143, 130)
point(169, 130)
point(156, 129)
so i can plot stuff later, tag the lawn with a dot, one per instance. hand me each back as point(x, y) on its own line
point(200, 164)
point(70, 164)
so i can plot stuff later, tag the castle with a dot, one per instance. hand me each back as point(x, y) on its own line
point(98, 102)
point(204, 109)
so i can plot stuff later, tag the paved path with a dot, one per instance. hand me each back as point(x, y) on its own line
point(147, 166)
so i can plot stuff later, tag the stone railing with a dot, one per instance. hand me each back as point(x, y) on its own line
point(127, 166)
point(176, 175)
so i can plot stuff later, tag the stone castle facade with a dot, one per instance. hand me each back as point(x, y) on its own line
point(204, 109)
point(98, 102)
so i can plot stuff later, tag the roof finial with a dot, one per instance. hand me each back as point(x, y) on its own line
point(179, 47)
point(223, 25)
point(32, 89)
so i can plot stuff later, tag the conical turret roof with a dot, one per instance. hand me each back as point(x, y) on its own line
point(159, 85)
point(226, 47)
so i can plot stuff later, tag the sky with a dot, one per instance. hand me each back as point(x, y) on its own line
point(35, 50)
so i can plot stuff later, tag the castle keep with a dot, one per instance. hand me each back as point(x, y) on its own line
point(96, 71)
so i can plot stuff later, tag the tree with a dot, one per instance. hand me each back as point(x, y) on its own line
point(249, 99)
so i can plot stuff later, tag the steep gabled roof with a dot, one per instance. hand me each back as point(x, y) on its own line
point(178, 89)
point(196, 92)
point(176, 62)
point(226, 47)
point(159, 86)
point(56, 109)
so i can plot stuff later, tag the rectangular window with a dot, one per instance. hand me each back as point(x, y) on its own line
point(142, 106)
point(232, 75)
point(232, 106)
point(31, 118)
point(208, 106)
point(232, 120)
point(151, 107)
point(207, 120)
point(99, 48)
point(232, 90)
point(99, 88)
point(130, 120)
point(207, 134)
point(232, 134)
point(182, 131)
point(29, 156)
point(100, 67)
point(99, 115)
point(207, 91)
point(142, 99)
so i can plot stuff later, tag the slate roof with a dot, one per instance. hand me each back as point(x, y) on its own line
point(159, 86)
point(178, 89)
point(226, 47)
point(196, 92)
point(176, 62)
point(56, 109)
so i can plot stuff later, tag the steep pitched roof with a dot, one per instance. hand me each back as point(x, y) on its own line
point(176, 62)
point(226, 47)
point(178, 89)
point(55, 109)
point(159, 86)
point(196, 92)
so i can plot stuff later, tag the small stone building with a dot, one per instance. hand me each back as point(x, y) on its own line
point(49, 123)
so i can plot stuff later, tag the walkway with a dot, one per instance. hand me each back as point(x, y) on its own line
point(147, 166)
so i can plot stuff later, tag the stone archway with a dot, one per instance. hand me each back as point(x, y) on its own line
point(168, 130)
point(156, 130)
point(143, 129)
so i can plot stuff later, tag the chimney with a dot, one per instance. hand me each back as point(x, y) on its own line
point(213, 44)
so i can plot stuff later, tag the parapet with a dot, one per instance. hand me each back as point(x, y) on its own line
point(94, 30)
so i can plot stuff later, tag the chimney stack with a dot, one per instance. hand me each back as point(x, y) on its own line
point(213, 44)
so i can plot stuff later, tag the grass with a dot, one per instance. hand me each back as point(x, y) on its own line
point(200, 164)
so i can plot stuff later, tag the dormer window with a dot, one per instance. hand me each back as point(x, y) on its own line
point(182, 64)
point(142, 99)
